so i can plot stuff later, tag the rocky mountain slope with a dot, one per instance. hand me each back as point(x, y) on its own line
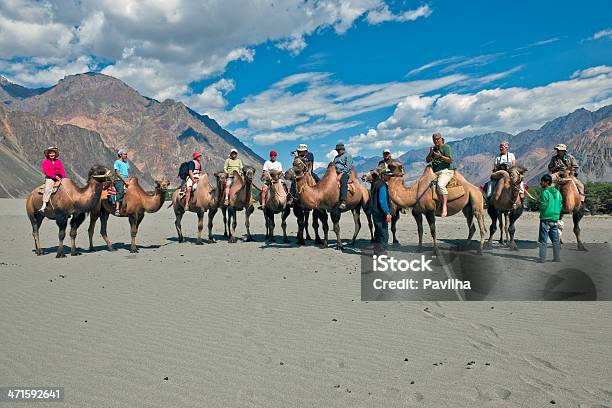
point(157, 135)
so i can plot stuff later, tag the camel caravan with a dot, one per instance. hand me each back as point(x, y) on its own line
point(440, 191)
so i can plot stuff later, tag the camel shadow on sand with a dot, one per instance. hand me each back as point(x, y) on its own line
point(98, 248)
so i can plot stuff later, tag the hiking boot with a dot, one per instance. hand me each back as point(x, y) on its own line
point(557, 260)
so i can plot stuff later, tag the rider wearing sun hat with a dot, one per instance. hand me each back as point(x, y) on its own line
point(53, 169)
point(191, 183)
point(562, 160)
point(232, 163)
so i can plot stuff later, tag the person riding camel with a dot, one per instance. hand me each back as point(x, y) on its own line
point(53, 169)
point(191, 183)
point(231, 163)
point(307, 157)
point(565, 161)
point(386, 159)
point(343, 163)
point(505, 161)
point(441, 158)
point(269, 165)
point(122, 168)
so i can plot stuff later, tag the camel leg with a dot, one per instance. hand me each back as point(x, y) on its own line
point(306, 219)
point(323, 218)
point(247, 222)
point(285, 214)
point(576, 217)
point(468, 212)
point(493, 213)
point(370, 225)
point(481, 226)
point(36, 219)
point(232, 223)
point(357, 220)
point(93, 217)
point(431, 220)
point(335, 216)
point(500, 221)
point(211, 216)
point(104, 216)
point(514, 215)
point(299, 215)
point(507, 226)
point(200, 214)
point(316, 216)
point(61, 219)
point(271, 226)
point(225, 222)
point(135, 220)
point(178, 217)
point(394, 220)
point(75, 223)
point(418, 217)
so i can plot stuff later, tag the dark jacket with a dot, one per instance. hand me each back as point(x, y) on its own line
point(375, 205)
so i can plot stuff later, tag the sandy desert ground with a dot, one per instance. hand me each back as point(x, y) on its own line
point(256, 325)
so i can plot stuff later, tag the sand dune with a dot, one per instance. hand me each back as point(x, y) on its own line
point(277, 325)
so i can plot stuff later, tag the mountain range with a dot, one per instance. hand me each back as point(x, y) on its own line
point(89, 117)
point(587, 134)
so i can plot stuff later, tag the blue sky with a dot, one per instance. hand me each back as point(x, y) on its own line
point(372, 74)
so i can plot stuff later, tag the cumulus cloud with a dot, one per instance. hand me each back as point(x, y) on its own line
point(161, 46)
point(514, 109)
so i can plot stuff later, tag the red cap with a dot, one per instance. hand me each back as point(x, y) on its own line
point(273, 153)
point(196, 155)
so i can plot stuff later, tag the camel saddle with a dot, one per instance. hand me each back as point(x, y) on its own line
point(455, 190)
point(350, 184)
point(41, 189)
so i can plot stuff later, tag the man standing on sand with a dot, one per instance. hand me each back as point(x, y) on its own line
point(343, 163)
point(380, 207)
point(441, 158)
point(122, 168)
point(550, 212)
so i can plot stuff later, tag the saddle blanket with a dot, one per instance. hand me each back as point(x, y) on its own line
point(351, 185)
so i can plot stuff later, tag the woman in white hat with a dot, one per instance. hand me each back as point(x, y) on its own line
point(232, 163)
point(53, 168)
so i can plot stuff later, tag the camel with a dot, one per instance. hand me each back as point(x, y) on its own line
point(239, 199)
point(302, 214)
point(572, 203)
point(276, 202)
point(422, 197)
point(505, 205)
point(70, 200)
point(325, 196)
point(205, 198)
point(395, 211)
point(135, 204)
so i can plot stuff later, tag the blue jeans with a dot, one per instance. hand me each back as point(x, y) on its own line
point(344, 179)
point(120, 187)
point(549, 229)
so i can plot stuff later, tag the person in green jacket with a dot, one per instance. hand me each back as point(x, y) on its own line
point(550, 212)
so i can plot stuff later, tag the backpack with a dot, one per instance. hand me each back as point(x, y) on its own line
point(183, 172)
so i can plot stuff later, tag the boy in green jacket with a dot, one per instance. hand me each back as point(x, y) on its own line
point(550, 212)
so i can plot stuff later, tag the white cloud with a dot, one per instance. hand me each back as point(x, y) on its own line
point(607, 33)
point(162, 46)
point(383, 14)
point(31, 75)
point(212, 98)
point(507, 109)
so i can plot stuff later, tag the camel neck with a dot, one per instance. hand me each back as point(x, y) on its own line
point(152, 203)
point(400, 194)
point(89, 195)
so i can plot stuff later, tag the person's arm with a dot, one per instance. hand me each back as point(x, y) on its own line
point(240, 166)
point(47, 168)
point(382, 199)
point(429, 157)
point(349, 162)
point(119, 175)
point(551, 166)
point(62, 173)
point(544, 201)
point(446, 159)
point(226, 166)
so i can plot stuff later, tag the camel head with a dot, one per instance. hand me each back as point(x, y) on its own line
point(370, 176)
point(290, 174)
point(161, 185)
point(221, 177)
point(100, 174)
point(397, 169)
point(248, 172)
point(300, 168)
point(275, 176)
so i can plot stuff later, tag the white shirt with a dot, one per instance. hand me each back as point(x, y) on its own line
point(272, 165)
point(507, 158)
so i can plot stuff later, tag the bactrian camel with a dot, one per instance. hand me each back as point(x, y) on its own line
point(275, 203)
point(240, 198)
point(422, 197)
point(325, 195)
point(70, 200)
point(505, 204)
point(204, 198)
point(134, 205)
point(572, 203)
